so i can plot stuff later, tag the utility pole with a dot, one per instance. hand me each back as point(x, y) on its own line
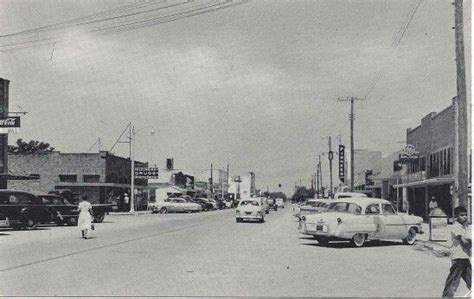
point(320, 174)
point(351, 117)
point(212, 183)
point(330, 156)
point(461, 177)
point(317, 181)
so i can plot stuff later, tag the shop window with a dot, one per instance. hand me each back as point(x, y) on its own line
point(91, 178)
point(68, 178)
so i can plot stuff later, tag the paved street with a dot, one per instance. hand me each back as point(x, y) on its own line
point(209, 254)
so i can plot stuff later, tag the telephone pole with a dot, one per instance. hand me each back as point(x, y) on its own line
point(330, 156)
point(212, 183)
point(351, 117)
point(461, 154)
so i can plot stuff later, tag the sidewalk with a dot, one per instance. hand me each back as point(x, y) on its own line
point(437, 248)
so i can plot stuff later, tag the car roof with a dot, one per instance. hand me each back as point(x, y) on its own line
point(362, 201)
point(353, 194)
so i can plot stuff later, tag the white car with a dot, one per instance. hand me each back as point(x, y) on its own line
point(176, 205)
point(279, 202)
point(250, 209)
point(214, 203)
point(359, 220)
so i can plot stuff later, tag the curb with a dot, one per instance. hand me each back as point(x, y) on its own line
point(128, 213)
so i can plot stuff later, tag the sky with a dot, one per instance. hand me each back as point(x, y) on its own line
point(254, 85)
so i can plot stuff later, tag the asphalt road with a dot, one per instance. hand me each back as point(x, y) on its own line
point(209, 254)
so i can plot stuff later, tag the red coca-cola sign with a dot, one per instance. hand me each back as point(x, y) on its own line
point(10, 122)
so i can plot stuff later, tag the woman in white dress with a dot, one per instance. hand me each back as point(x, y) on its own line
point(85, 218)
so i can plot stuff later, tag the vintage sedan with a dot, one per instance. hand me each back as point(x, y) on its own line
point(250, 209)
point(359, 220)
point(176, 205)
point(19, 209)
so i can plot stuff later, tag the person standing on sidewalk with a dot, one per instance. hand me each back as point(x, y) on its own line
point(433, 203)
point(460, 235)
point(85, 218)
point(126, 200)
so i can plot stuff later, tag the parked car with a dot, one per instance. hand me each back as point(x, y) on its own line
point(280, 203)
point(214, 204)
point(359, 220)
point(205, 204)
point(19, 209)
point(250, 209)
point(265, 205)
point(271, 202)
point(65, 212)
point(176, 205)
point(220, 203)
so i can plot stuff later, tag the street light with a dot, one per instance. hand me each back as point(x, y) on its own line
point(131, 143)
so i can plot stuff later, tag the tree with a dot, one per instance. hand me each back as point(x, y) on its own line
point(31, 147)
point(301, 194)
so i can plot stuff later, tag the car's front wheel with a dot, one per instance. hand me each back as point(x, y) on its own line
point(99, 218)
point(358, 240)
point(163, 210)
point(237, 220)
point(411, 237)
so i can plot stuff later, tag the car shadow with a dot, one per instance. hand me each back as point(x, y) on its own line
point(31, 230)
point(346, 244)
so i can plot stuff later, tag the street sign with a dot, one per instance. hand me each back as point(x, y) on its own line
point(146, 172)
point(341, 163)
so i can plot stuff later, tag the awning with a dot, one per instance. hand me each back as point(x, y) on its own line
point(110, 185)
point(428, 182)
point(16, 177)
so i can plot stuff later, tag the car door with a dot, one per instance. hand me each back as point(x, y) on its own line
point(373, 222)
point(394, 224)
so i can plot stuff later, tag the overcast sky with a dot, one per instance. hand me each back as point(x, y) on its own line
point(254, 85)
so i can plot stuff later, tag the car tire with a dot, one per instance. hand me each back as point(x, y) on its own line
point(262, 220)
point(267, 211)
point(358, 240)
point(411, 237)
point(163, 210)
point(237, 220)
point(99, 218)
point(30, 223)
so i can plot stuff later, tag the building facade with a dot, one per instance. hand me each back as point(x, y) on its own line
point(430, 169)
point(103, 177)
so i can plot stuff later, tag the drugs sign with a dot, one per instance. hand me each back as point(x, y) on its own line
point(146, 172)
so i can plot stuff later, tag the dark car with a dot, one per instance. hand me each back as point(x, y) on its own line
point(19, 209)
point(220, 203)
point(61, 209)
point(65, 211)
point(205, 204)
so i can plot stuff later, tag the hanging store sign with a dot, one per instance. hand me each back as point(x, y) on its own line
point(146, 172)
point(408, 153)
point(9, 125)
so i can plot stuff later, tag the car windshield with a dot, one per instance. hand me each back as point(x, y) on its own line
point(249, 203)
point(345, 207)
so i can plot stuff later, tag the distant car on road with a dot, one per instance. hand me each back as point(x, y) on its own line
point(313, 206)
point(280, 203)
point(271, 202)
point(205, 204)
point(250, 209)
point(359, 220)
point(19, 209)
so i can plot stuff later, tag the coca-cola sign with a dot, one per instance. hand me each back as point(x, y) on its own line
point(10, 122)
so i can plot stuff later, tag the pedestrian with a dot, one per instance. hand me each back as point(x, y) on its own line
point(126, 200)
point(85, 216)
point(460, 236)
point(433, 203)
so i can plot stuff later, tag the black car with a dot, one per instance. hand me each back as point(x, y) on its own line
point(205, 204)
point(63, 211)
point(272, 204)
point(19, 209)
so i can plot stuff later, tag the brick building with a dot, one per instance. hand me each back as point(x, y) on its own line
point(430, 168)
point(103, 177)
